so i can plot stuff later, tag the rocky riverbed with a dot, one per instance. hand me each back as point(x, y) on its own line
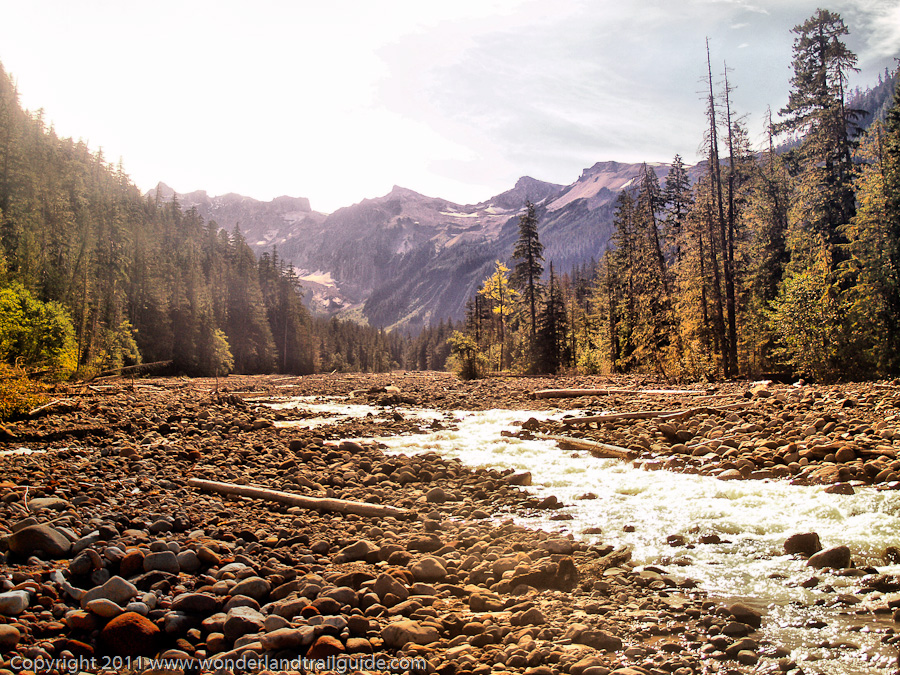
point(108, 553)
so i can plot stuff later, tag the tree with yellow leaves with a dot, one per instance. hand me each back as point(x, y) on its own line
point(501, 299)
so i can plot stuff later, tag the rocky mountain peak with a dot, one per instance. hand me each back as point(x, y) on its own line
point(162, 191)
point(603, 167)
point(526, 189)
point(405, 259)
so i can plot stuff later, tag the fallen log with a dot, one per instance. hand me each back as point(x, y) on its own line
point(314, 503)
point(597, 449)
point(117, 372)
point(44, 409)
point(575, 393)
point(612, 559)
point(650, 414)
point(614, 417)
point(60, 434)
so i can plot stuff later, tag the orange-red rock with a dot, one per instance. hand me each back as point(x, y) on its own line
point(325, 646)
point(129, 634)
point(132, 563)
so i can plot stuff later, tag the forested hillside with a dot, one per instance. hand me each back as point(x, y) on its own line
point(785, 261)
point(94, 276)
point(782, 260)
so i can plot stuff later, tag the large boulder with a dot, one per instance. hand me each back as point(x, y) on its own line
point(359, 550)
point(428, 569)
point(741, 612)
point(561, 575)
point(837, 557)
point(13, 603)
point(129, 634)
point(805, 543)
point(386, 585)
point(9, 637)
point(403, 632)
point(116, 589)
point(600, 640)
point(242, 620)
point(35, 538)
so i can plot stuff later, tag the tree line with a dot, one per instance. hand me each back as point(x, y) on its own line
point(784, 260)
point(94, 276)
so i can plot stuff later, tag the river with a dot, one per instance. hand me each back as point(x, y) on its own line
point(652, 510)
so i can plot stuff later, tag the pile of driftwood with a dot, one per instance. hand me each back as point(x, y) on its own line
point(607, 451)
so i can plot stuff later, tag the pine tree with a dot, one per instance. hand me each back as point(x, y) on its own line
point(551, 329)
point(526, 275)
point(622, 267)
point(677, 200)
point(723, 293)
point(873, 237)
point(823, 201)
point(817, 111)
point(654, 322)
point(766, 219)
point(247, 327)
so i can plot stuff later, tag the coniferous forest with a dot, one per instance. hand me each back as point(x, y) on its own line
point(94, 276)
point(784, 261)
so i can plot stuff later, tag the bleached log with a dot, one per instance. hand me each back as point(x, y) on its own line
point(40, 408)
point(650, 414)
point(313, 503)
point(597, 449)
point(615, 417)
point(575, 393)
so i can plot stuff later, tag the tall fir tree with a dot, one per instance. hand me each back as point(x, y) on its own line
point(551, 328)
point(809, 315)
point(529, 268)
point(817, 113)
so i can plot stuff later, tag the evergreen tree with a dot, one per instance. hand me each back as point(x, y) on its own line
point(527, 273)
point(873, 236)
point(766, 254)
point(551, 329)
point(247, 327)
point(622, 267)
point(823, 197)
point(677, 201)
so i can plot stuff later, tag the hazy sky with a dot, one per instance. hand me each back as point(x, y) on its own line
point(340, 100)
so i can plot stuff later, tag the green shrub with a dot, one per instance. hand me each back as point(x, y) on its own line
point(35, 334)
point(18, 394)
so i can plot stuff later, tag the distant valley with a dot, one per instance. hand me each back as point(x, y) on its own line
point(405, 260)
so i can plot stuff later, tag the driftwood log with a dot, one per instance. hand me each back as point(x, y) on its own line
point(597, 449)
point(66, 404)
point(650, 414)
point(614, 417)
point(313, 503)
point(59, 434)
point(575, 393)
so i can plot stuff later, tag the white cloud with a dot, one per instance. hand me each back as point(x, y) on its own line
point(339, 101)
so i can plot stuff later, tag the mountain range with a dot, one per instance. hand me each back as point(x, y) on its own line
point(404, 260)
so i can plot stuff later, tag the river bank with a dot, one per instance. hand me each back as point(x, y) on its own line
point(167, 569)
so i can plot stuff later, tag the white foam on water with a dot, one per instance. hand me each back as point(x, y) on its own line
point(331, 412)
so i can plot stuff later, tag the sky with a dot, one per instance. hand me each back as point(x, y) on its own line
point(339, 101)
